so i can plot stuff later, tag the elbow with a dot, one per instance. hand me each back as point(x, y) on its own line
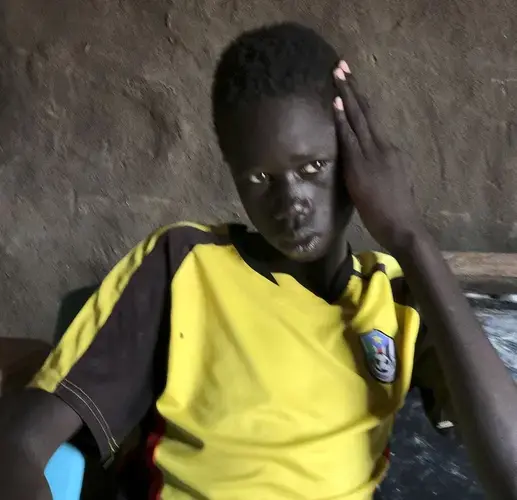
point(18, 448)
point(19, 442)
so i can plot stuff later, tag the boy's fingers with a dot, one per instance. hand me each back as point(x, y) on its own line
point(349, 144)
point(353, 111)
point(365, 108)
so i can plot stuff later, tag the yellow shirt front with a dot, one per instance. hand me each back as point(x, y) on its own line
point(288, 395)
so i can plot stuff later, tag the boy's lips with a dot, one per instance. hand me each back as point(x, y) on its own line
point(295, 236)
point(300, 241)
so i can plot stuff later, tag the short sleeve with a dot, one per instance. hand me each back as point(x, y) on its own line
point(429, 379)
point(103, 366)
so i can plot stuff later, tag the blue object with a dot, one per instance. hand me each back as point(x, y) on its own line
point(64, 473)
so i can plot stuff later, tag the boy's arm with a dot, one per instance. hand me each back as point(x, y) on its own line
point(104, 374)
point(33, 424)
point(429, 380)
point(483, 394)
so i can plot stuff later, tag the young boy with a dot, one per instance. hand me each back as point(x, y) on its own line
point(271, 364)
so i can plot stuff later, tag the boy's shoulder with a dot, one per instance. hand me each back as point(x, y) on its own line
point(369, 261)
point(173, 242)
point(190, 233)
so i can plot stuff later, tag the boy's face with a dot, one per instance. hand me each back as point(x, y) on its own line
point(283, 156)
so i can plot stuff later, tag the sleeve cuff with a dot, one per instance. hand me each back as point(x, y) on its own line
point(92, 417)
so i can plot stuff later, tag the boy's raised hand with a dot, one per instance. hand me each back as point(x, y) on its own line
point(372, 171)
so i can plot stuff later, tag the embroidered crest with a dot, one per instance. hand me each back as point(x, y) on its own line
point(380, 355)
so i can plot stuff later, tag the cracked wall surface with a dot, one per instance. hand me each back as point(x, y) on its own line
point(105, 125)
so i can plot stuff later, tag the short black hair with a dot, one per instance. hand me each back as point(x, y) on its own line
point(279, 60)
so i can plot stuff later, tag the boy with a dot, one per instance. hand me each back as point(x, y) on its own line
point(270, 364)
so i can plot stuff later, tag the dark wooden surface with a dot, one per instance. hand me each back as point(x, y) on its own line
point(491, 273)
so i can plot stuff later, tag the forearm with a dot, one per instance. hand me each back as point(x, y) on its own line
point(22, 471)
point(33, 424)
point(22, 474)
point(482, 391)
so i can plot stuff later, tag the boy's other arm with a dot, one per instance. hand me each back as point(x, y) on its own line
point(104, 374)
point(483, 394)
point(33, 424)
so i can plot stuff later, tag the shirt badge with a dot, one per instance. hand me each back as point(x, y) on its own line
point(380, 355)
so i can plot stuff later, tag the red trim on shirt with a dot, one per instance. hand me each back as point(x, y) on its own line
point(156, 476)
point(387, 452)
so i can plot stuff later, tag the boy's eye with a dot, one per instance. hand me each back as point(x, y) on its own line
point(314, 167)
point(259, 178)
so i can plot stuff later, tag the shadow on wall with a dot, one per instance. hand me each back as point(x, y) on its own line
point(70, 306)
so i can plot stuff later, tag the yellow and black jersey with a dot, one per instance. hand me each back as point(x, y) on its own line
point(249, 386)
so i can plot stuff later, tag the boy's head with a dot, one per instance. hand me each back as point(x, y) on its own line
point(272, 109)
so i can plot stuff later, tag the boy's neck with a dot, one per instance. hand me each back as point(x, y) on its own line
point(318, 275)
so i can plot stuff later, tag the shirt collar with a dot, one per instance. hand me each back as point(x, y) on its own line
point(261, 257)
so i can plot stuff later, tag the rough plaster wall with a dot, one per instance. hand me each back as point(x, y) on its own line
point(105, 124)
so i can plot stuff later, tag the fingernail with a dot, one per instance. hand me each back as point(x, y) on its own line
point(338, 73)
point(344, 66)
point(338, 104)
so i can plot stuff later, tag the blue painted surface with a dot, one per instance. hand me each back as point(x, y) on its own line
point(64, 473)
point(426, 465)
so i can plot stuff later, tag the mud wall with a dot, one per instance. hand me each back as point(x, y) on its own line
point(105, 125)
